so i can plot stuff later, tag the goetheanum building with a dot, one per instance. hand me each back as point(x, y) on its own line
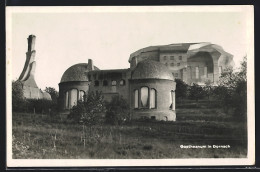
point(149, 84)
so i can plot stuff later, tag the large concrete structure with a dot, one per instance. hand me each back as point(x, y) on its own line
point(148, 85)
point(190, 62)
point(30, 88)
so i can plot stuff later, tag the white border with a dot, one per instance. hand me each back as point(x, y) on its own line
point(249, 10)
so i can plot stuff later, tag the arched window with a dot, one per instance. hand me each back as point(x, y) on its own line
point(144, 97)
point(113, 83)
point(122, 82)
point(73, 97)
point(136, 98)
point(81, 95)
point(152, 98)
point(67, 100)
point(96, 83)
point(105, 83)
point(172, 100)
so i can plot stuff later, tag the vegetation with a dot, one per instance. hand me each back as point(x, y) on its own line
point(42, 136)
point(88, 112)
point(54, 94)
point(18, 102)
point(117, 111)
point(181, 89)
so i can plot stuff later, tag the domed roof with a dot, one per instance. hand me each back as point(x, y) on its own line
point(76, 72)
point(149, 69)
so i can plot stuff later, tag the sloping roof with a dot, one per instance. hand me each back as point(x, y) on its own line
point(76, 72)
point(149, 69)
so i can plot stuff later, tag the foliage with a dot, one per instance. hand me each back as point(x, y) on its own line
point(117, 111)
point(39, 105)
point(232, 90)
point(18, 101)
point(88, 112)
point(208, 89)
point(196, 92)
point(181, 88)
point(54, 94)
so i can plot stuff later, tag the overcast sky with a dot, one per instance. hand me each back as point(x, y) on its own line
point(64, 39)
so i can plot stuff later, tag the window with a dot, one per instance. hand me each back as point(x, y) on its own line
point(105, 83)
point(172, 64)
point(67, 100)
point(172, 102)
point(144, 97)
point(81, 95)
point(136, 98)
point(122, 82)
point(152, 98)
point(172, 57)
point(206, 71)
point(197, 72)
point(165, 57)
point(73, 97)
point(96, 83)
point(180, 57)
point(176, 74)
point(220, 69)
point(153, 118)
point(113, 83)
point(166, 64)
point(178, 64)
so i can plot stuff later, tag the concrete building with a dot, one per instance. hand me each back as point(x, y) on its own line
point(148, 85)
point(190, 62)
point(30, 88)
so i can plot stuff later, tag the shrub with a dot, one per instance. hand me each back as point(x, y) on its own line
point(87, 112)
point(117, 111)
point(18, 101)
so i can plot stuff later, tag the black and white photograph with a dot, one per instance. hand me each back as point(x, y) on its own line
point(130, 86)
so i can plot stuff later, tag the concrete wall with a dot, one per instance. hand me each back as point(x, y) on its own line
point(110, 90)
point(163, 89)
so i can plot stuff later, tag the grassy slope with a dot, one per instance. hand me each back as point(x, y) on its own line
point(52, 137)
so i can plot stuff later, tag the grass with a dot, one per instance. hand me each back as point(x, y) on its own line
point(53, 137)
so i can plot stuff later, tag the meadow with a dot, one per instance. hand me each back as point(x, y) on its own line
point(41, 136)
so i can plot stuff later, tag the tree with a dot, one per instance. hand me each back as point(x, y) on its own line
point(117, 111)
point(88, 112)
point(208, 89)
point(196, 92)
point(54, 94)
point(18, 101)
point(181, 89)
point(232, 89)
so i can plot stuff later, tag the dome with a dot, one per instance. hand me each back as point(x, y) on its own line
point(149, 69)
point(76, 72)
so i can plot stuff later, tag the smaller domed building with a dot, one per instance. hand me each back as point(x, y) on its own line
point(149, 88)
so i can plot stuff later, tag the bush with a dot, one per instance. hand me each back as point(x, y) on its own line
point(18, 100)
point(117, 111)
point(88, 112)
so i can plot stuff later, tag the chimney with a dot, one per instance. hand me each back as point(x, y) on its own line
point(90, 65)
point(31, 42)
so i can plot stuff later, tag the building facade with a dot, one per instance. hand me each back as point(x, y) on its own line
point(149, 84)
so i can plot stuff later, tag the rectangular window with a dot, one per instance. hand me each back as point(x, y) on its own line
point(176, 74)
point(152, 98)
point(206, 71)
point(165, 57)
point(220, 69)
point(178, 64)
point(180, 57)
point(144, 97)
point(197, 72)
point(136, 98)
point(172, 57)
point(172, 64)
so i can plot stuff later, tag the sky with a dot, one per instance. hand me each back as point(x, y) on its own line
point(108, 38)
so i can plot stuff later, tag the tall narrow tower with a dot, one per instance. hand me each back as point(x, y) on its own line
point(30, 88)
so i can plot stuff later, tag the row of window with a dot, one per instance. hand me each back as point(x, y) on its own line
point(172, 57)
point(148, 98)
point(113, 83)
point(172, 64)
point(175, 74)
point(72, 96)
